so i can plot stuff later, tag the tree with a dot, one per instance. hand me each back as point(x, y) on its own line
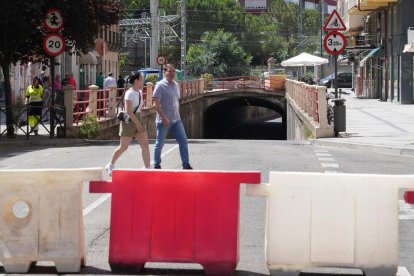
point(219, 53)
point(123, 61)
point(265, 37)
point(286, 16)
point(21, 31)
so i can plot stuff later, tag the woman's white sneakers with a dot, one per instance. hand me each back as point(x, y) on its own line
point(108, 168)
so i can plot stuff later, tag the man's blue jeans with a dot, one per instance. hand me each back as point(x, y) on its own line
point(177, 129)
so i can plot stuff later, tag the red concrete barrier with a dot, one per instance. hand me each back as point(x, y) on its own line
point(175, 216)
point(409, 197)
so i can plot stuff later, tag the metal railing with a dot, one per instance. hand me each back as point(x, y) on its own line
point(42, 126)
point(81, 105)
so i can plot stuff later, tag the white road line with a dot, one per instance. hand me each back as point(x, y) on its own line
point(105, 197)
point(406, 211)
point(46, 154)
point(320, 150)
point(332, 172)
point(329, 165)
point(402, 271)
point(95, 204)
point(326, 159)
point(323, 154)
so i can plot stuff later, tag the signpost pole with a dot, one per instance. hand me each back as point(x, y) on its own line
point(336, 76)
point(52, 107)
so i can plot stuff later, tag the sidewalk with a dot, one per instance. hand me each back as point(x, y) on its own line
point(380, 126)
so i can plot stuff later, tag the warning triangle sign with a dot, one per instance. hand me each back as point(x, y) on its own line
point(334, 23)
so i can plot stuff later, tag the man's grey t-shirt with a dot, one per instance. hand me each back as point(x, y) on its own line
point(169, 95)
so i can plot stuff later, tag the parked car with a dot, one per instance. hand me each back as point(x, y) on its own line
point(344, 80)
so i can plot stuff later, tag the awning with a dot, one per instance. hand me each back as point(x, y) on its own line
point(370, 54)
point(408, 48)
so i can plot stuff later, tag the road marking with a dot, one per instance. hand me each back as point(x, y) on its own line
point(326, 159)
point(320, 151)
point(329, 165)
point(46, 154)
point(95, 204)
point(406, 211)
point(323, 154)
point(402, 271)
point(105, 197)
point(332, 172)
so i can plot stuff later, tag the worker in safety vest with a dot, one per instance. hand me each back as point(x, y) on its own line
point(34, 101)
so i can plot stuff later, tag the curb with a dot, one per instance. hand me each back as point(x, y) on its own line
point(374, 148)
point(42, 143)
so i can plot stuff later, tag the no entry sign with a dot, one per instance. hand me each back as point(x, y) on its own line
point(334, 43)
point(54, 44)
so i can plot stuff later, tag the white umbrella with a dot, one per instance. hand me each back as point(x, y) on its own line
point(304, 59)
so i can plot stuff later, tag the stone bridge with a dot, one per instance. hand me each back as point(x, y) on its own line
point(233, 111)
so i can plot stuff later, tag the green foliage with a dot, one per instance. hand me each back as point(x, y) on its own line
point(152, 78)
point(123, 60)
point(219, 53)
point(90, 127)
point(273, 34)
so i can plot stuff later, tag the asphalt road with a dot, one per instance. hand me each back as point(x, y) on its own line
point(261, 155)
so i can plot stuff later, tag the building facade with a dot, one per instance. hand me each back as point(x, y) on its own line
point(256, 6)
point(377, 35)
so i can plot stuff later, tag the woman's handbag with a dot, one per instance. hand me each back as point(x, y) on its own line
point(123, 116)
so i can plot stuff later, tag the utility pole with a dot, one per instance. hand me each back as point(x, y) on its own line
point(183, 38)
point(155, 32)
point(321, 49)
point(300, 27)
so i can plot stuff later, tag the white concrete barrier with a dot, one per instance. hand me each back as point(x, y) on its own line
point(332, 220)
point(41, 218)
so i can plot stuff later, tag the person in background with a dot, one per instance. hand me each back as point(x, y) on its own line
point(120, 82)
point(167, 104)
point(109, 81)
point(72, 81)
point(34, 101)
point(57, 84)
point(100, 80)
point(134, 127)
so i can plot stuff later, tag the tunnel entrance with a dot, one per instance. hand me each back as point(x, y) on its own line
point(245, 118)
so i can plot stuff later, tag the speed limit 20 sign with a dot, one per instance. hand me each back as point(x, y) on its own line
point(335, 43)
point(54, 44)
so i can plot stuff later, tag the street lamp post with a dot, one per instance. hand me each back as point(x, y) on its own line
point(321, 5)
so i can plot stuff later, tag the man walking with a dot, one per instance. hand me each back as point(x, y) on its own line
point(167, 103)
point(109, 81)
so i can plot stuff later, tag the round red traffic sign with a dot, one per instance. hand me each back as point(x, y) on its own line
point(334, 43)
point(161, 60)
point(53, 20)
point(54, 44)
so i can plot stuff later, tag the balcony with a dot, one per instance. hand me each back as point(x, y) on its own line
point(374, 4)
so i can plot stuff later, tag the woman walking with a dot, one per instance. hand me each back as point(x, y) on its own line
point(34, 101)
point(133, 128)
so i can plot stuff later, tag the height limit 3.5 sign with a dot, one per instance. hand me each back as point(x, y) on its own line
point(54, 44)
point(334, 43)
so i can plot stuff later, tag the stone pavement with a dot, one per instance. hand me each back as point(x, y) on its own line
point(381, 126)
